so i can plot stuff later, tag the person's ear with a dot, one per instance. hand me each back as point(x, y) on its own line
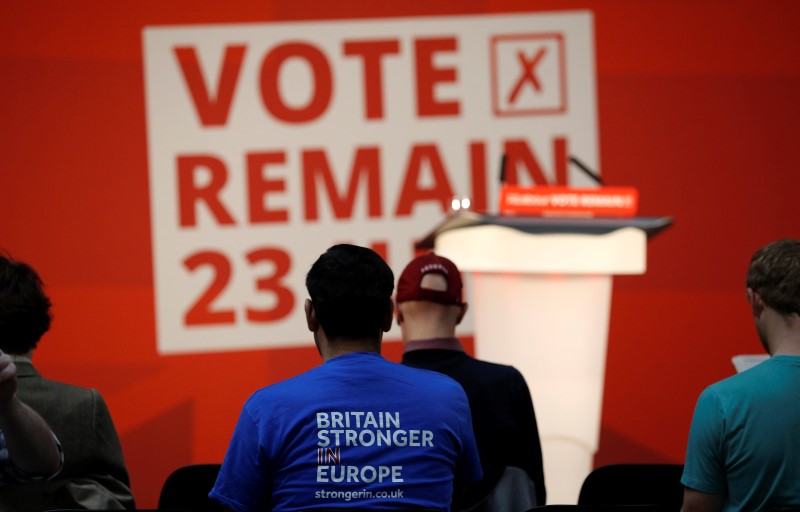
point(400, 318)
point(388, 316)
point(756, 302)
point(461, 313)
point(311, 316)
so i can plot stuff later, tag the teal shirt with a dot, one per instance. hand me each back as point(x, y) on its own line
point(744, 442)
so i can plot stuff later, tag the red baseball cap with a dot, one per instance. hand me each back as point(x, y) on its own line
point(408, 286)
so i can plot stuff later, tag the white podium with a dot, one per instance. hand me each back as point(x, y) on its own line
point(541, 296)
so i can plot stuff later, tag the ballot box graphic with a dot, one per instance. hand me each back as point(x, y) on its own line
point(540, 299)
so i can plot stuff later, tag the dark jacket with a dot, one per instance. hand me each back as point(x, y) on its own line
point(94, 474)
point(502, 417)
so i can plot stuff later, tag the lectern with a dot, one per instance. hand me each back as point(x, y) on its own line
point(541, 296)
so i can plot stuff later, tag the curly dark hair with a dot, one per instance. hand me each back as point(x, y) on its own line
point(351, 290)
point(24, 307)
point(774, 274)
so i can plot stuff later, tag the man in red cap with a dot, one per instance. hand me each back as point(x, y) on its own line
point(429, 306)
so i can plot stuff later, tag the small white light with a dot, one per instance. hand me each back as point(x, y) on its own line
point(465, 202)
point(455, 204)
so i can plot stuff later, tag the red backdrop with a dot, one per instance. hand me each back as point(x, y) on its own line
point(698, 105)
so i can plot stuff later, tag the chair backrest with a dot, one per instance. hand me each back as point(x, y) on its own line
point(187, 489)
point(634, 484)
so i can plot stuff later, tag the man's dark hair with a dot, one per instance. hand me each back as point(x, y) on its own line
point(24, 307)
point(351, 290)
point(774, 274)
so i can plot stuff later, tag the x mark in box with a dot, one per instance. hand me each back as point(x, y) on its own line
point(528, 74)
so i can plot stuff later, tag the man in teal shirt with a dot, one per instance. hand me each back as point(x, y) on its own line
point(744, 443)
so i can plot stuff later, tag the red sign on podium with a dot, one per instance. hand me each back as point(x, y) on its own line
point(568, 201)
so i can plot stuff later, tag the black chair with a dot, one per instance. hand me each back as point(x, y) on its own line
point(187, 489)
point(634, 484)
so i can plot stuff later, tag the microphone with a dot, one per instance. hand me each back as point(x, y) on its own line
point(580, 165)
point(503, 169)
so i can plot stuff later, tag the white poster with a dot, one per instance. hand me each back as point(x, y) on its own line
point(270, 142)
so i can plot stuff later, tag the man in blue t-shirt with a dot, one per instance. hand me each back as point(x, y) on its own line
point(744, 443)
point(357, 431)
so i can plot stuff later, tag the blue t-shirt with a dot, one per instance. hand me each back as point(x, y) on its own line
point(356, 431)
point(744, 442)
